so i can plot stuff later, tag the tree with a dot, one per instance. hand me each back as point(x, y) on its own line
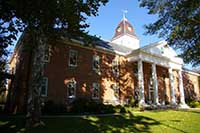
point(179, 22)
point(42, 20)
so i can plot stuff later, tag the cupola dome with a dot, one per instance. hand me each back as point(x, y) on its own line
point(125, 35)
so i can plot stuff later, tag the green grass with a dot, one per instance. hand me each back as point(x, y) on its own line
point(168, 121)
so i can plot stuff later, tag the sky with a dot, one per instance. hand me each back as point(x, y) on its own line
point(110, 16)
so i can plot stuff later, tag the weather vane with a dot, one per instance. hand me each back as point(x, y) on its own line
point(124, 13)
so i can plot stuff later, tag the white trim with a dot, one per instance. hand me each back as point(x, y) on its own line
point(115, 67)
point(190, 72)
point(97, 86)
point(151, 45)
point(47, 54)
point(154, 58)
point(70, 54)
point(96, 58)
point(73, 83)
point(46, 86)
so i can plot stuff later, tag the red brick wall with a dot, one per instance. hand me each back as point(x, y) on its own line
point(191, 85)
point(59, 73)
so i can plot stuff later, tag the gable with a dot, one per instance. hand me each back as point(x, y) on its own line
point(160, 49)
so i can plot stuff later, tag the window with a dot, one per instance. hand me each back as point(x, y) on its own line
point(115, 88)
point(44, 87)
point(115, 67)
point(47, 54)
point(73, 58)
point(96, 63)
point(95, 90)
point(135, 70)
point(71, 89)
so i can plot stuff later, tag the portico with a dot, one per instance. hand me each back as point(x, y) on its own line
point(152, 90)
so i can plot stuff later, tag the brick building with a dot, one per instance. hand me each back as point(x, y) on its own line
point(111, 72)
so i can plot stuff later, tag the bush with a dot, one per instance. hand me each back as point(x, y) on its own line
point(133, 102)
point(51, 108)
point(83, 105)
point(86, 106)
point(194, 104)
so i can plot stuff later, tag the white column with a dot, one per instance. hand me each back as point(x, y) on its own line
point(182, 96)
point(155, 84)
point(181, 89)
point(171, 79)
point(141, 82)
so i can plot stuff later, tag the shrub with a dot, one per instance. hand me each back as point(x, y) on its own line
point(194, 104)
point(83, 105)
point(133, 102)
point(86, 106)
point(51, 108)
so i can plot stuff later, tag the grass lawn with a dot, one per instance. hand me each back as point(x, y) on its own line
point(149, 121)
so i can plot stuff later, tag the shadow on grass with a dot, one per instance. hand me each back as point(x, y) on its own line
point(93, 124)
point(85, 124)
point(88, 124)
point(13, 124)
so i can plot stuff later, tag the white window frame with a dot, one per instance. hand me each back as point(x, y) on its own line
point(73, 86)
point(116, 89)
point(47, 54)
point(95, 86)
point(115, 67)
point(71, 52)
point(96, 58)
point(45, 84)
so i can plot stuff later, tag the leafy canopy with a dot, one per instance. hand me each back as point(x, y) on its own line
point(179, 22)
point(46, 15)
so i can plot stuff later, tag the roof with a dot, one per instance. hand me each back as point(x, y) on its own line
point(124, 27)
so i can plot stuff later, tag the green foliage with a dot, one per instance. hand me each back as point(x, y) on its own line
point(88, 106)
point(81, 106)
point(54, 17)
point(179, 22)
point(133, 102)
point(194, 104)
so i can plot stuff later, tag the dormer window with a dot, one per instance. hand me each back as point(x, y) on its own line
point(96, 63)
point(73, 54)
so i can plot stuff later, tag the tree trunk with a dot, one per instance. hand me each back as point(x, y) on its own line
point(39, 43)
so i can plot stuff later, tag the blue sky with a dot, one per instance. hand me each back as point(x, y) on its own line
point(110, 15)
